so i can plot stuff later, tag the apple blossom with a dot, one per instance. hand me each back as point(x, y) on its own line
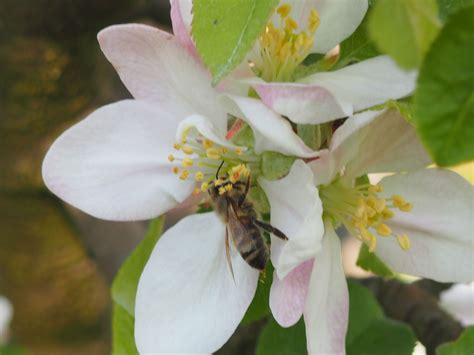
point(417, 221)
point(137, 159)
point(297, 29)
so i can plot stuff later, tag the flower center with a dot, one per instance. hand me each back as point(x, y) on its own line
point(363, 212)
point(210, 163)
point(282, 49)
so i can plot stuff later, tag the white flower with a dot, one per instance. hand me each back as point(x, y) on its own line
point(137, 159)
point(417, 221)
point(6, 314)
point(458, 300)
point(301, 27)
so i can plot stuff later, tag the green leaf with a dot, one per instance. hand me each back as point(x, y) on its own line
point(363, 309)
point(404, 29)
point(124, 287)
point(444, 98)
point(463, 345)
point(276, 165)
point(370, 332)
point(259, 199)
point(359, 46)
point(244, 137)
point(122, 330)
point(12, 349)
point(225, 30)
point(259, 307)
point(449, 7)
point(370, 262)
point(384, 336)
point(275, 340)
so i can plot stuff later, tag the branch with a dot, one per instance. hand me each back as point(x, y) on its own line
point(414, 305)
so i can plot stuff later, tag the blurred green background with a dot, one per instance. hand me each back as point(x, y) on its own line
point(56, 263)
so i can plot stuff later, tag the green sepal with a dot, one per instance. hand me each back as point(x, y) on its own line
point(276, 165)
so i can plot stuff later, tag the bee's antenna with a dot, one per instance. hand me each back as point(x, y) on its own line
point(219, 169)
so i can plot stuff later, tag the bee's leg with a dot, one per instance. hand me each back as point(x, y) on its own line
point(218, 170)
point(270, 229)
point(247, 188)
point(227, 252)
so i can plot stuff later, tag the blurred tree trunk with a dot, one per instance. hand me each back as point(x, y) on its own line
point(52, 74)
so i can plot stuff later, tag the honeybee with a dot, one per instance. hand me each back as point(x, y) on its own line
point(241, 220)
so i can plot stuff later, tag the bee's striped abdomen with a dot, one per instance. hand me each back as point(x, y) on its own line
point(252, 247)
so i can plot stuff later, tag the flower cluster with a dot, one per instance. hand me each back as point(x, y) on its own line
point(171, 146)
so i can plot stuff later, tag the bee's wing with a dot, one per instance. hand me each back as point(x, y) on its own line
point(238, 230)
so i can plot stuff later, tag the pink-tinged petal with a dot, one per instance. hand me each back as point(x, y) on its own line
point(339, 19)
point(301, 103)
point(113, 164)
point(387, 144)
point(187, 301)
point(181, 20)
point(156, 68)
point(365, 84)
point(288, 297)
point(297, 211)
point(272, 132)
point(440, 226)
point(327, 303)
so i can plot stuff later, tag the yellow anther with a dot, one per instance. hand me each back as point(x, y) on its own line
point(218, 182)
point(207, 143)
point(196, 191)
point(404, 241)
point(213, 153)
point(387, 213)
point(222, 190)
point(290, 24)
point(228, 187)
point(184, 175)
point(371, 212)
point(225, 150)
point(238, 151)
point(187, 150)
point(204, 186)
point(372, 242)
point(398, 200)
point(187, 162)
point(384, 230)
point(175, 170)
point(176, 146)
point(199, 176)
point(406, 207)
point(375, 188)
point(284, 10)
point(313, 21)
point(171, 157)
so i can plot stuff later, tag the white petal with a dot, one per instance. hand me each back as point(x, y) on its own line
point(113, 164)
point(387, 144)
point(327, 303)
point(206, 128)
point(156, 68)
point(364, 84)
point(297, 211)
point(339, 18)
point(272, 132)
point(301, 103)
point(181, 18)
point(187, 301)
point(371, 142)
point(343, 148)
point(459, 302)
point(440, 226)
point(288, 297)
